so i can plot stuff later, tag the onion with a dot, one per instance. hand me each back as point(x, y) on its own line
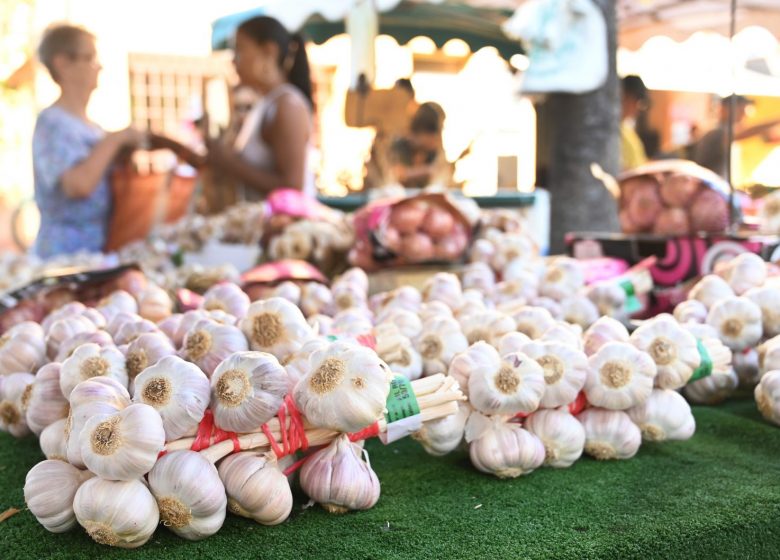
point(709, 212)
point(407, 217)
point(678, 190)
point(626, 225)
point(417, 247)
point(644, 205)
point(448, 249)
point(392, 239)
point(672, 221)
point(438, 222)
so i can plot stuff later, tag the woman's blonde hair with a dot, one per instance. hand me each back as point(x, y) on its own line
point(60, 39)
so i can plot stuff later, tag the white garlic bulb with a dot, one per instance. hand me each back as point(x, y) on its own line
point(90, 360)
point(619, 376)
point(552, 306)
point(189, 493)
point(338, 479)
point(405, 297)
point(179, 391)
point(120, 319)
point(188, 320)
point(563, 277)
point(438, 343)
point(12, 392)
point(768, 300)
point(434, 310)
point(71, 309)
point(154, 303)
point(43, 400)
point(408, 322)
point(513, 292)
point(227, 297)
point(609, 298)
point(297, 364)
point(116, 302)
point(256, 487)
point(565, 370)
point(352, 322)
point(712, 389)
point(478, 276)
point(52, 441)
point(247, 390)
point(321, 325)
point(512, 342)
point(95, 316)
point(347, 296)
point(443, 435)
point(170, 325)
point(444, 287)
point(145, 351)
point(63, 329)
point(609, 434)
point(316, 299)
point(124, 445)
point(131, 330)
point(561, 433)
point(738, 322)
point(674, 350)
point(579, 310)
point(767, 394)
point(710, 290)
point(691, 311)
point(746, 271)
point(49, 490)
point(208, 343)
point(606, 329)
point(489, 325)
point(564, 333)
point(664, 416)
point(471, 306)
point(115, 513)
point(22, 348)
point(505, 449)
point(533, 321)
point(275, 326)
point(101, 338)
point(509, 384)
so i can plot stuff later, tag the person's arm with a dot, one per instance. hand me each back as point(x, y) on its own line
point(755, 130)
point(159, 142)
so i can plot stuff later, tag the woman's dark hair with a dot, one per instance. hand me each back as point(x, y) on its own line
point(292, 50)
point(60, 39)
point(429, 118)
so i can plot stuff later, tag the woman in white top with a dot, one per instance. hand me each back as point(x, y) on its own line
point(272, 149)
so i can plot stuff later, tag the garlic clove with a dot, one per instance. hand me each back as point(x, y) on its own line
point(506, 450)
point(619, 376)
point(49, 490)
point(208, 343)
point(561, 433)
point(256, 487)
point(275, 326)
point(664, 416)
point(565, 370)
point(609, 434)
point(22, 348)
point(43, 400)
point(90, 360)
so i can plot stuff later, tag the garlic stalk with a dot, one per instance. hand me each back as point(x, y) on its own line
point(43, 400)
point(674, 350)
point(561, 433)
point(90, 360)
point(565, 370)
point(49, 490)
point(738, 322)
point(256, 487)
point(397, 351)
point(504, 449)
point(443, 435)
point(619, 376)
point(208, 343)
point(227, 297)
point(22, 348)
point(13, 388)
point(438, 343)
point(275, 326)
point(767, 394)
point(664, 416)
point(609, 434)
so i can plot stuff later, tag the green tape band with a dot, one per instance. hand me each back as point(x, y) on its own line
point(632, 304)
point(705, 365)
point(401, 401)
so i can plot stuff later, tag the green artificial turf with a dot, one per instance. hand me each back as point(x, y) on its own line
point(714, 496)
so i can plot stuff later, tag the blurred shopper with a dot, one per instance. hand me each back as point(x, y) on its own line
point(72, 156)
point(634, 99)
point(418, 160)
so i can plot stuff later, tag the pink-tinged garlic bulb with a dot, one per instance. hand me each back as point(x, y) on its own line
point(63, 329)
point(565, 370)
point(746, 271)
point(738, 322)
point(256, 487)
point(664, 416)
point(95, 317)
point(478, 356)
point(501, 448)
point(767, 395)
point(188, 320)
point(609, 434)
point(227, 297)
point(338, 479)
point(579, 310)
point(605, 330)
point(444, 287)
point(90, 360)
point(72, 309)
point(12, 391)
point(145, 351)
point(154, 303)
point(511, 342)
point(488, 325)
point(713, 389)
point(129, 331)
point(619, 376)
point(208, 343)
point(49, 490)
point(179, 391)
point(533, 321)
point(247, 390)
point(101, 338)
point(564, 333)
point(478, 276)
point(674, 350)
point(438, 343)
point(43, 400)
point(483, 250)
point(710, 290)
point(444, 435)
point(563, 278)
point(561, 433)
point(116, 302)
point(22, 348)
point(52, 441)
point(408, 322)
point(691, 311)
point(275, 326)
point(505, 384)
point(170, 325)
point(120, 319)
point(354, 276)
point(316, 299)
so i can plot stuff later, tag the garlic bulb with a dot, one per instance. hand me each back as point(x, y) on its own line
point(95, 317)
point(90, 360)
point(22, 348)
point(120, 319)
point(345, 388)
point(101, 338)
point(43, 400)
point(405, 297)
point(154, 303)
point(478, 276)
point(674, 350)
point(247, 390)
point(408, 322)
point(189, 493)
point(52, 441)
point(563, 278)
point(347, 296)
point(227, 297)
point(565, 370)
point(710, 290)
point(321, 325)
point(63, 329)
point(561, 433)
point(114, 513)
point(275, 326)
point(131, 330)
point(49, 490)
point(519, 290)
point(352, 322)
point(768, 300)
point(441, 436)
point(579, 310)
point(397, 351)
point(691, 311)
point(444, 287)
point(712, 389)
point(609, 434)
point(170, 325)
point(746, 366)
point(124, 445)
point(12, 391)
point(738, 322)
point(179, 391)
point(767, 394)
point(488, 325)
point(208, 343)
point(256, 487)
point(438, 343)
point(507, 385)
point(482, 250)
point(338, 479)
point(609, 298)
point(564, 333)
point(144, 352)
point(664, 416)
point(434, 310)
point(504, 449)
point(550, 305)
point(72, 309)
point(316, 298)
point(354, 276)
point(511, 342)
point(471, 305)
point(188, 320)
point(115, 303)
point(746, 271)
point(298, 364)
point(533, 321)
point(510, 247)
point(619, 376)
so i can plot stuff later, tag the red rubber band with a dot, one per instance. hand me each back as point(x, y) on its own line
point(271, 440)
point(221, 435)
point(579, 404)
point(205, 429)
point(296, 420)
point(365, 433)
point(161, 453)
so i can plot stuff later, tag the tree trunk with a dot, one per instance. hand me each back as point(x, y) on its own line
point(584, 130)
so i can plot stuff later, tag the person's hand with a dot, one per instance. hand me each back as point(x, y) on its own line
point(130, 137)
point(220, 154)
point(160, 142)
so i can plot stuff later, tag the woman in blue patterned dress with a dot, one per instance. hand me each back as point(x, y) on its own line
point(72, 156)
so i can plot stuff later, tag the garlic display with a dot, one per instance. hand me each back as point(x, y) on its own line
point(227, 297)
point(441, 436)
point(533, 321)
point(511, 342)
point(90, 360)
point(408, 322)
point(179, 391)
point(22, 348)
point(487, 325)
point(691, 311)
point(115, 513)
point(101, 338)
point(397, 351)
point(712, 389)
point(768, 300)
point(275, 326)
point(609, 434)
point(208, 343)
point(505, 449)
point(345, 388)
point(619, 376)
point(767, 394)
point(738, 322)
point(131, 330)
point(316, 298)
point(565, 370)
point(674, 350)
point(43, 400)
point(144, 352)
point(711, 289)
point(247, 390)
point(124, 445)
point(444, 287)
point(13, 389)
point(664, 416)
point(256, 487)
point(438, 343)
point(189, 493)
point(52, 441)
point(563, 278)
point(49, 490)
point(63, 329)
point(338, 479)
point(579, 310)
point(506, 384)
point(561, 433)
point(746, 271)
